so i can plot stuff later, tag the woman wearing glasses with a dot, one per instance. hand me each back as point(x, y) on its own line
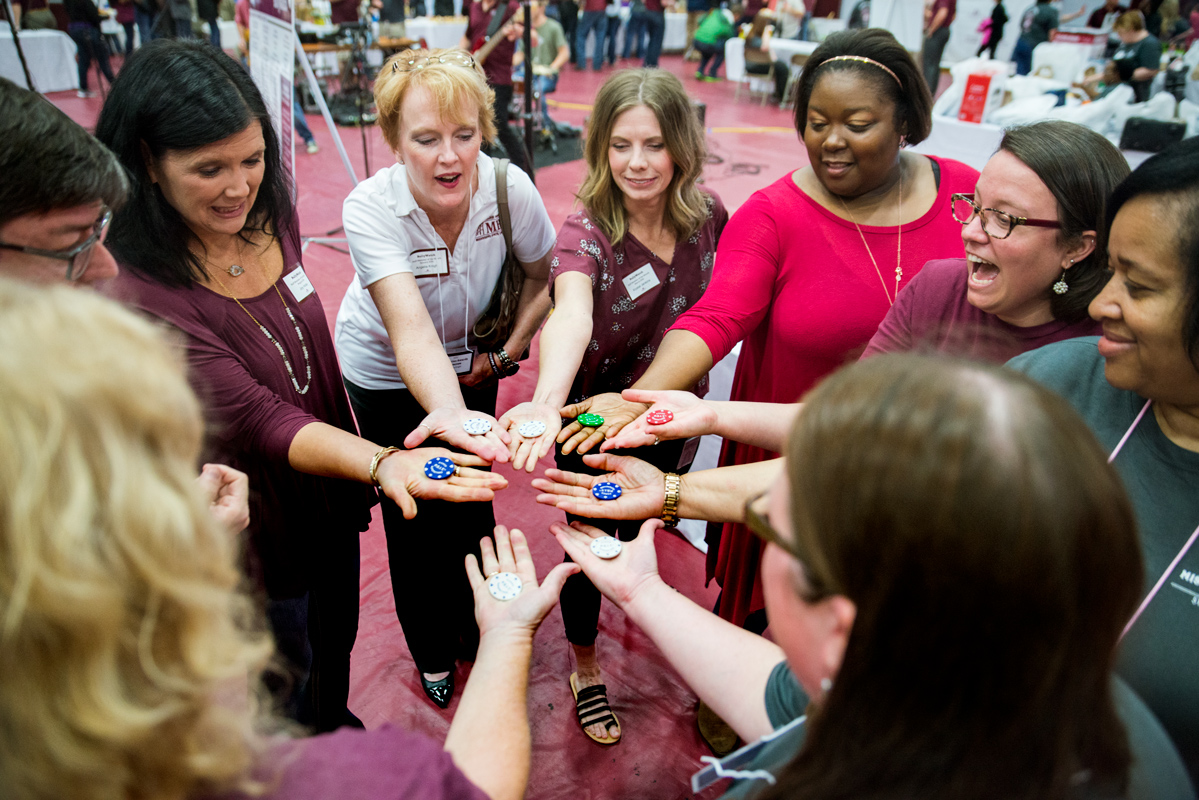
point(428, 245)
point(209, 243)
point(1035, 245)
point(948, 563)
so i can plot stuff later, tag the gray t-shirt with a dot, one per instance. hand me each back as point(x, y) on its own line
point(1037, 22)
point(1159, 658)
point(550, 37)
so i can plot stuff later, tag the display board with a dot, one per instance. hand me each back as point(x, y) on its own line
point(272, 66)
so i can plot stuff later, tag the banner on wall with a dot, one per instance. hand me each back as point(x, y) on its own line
point(272, 66)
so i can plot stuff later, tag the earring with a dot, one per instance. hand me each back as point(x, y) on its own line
point(826, 684)
point(903, 141)
point(1061, 287)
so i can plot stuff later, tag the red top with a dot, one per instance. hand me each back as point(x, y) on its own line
point(793, 280)
point(125, 12)
point(933, 314)
point(241, 13)
point(594, 5)
point(498, 66)
point(949, 5)
point(344, 11)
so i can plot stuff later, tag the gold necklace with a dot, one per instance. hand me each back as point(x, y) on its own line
point(899, 248)
point(286, 361)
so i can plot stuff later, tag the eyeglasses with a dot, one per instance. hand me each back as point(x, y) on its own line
point(996, 224)
point(77, 257)
point(757, 521)
point(420, 62)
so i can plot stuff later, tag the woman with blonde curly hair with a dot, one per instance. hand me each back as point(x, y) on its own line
point(419, 356)
point(125, 640)
point(638, 255)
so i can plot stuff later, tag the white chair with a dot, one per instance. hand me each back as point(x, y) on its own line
point(734, 70)
point(1059, 61)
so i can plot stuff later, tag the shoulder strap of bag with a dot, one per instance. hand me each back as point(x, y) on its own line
point(501, 199)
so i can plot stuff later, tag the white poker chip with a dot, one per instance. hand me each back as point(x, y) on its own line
point(477, 426)
point(531, 429)
point(606, 547)
point(504, 585)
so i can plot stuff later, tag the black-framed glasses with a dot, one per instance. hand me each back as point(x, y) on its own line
point(460, 59)
point(996, 224)
point(77, 257)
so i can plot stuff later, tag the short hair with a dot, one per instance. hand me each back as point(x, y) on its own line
point(663, 94)
point(179, 95)
point(453, 85)
point(48, 161)
point(1080, 168)
point(1129, 22)
point(1172, 178)
point(121, 621)
point(913, 103)
point(991, 555)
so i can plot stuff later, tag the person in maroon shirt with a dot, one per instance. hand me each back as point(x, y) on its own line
point(655, 26)
point(480, 28)
point(938, 16)
point(209, 244)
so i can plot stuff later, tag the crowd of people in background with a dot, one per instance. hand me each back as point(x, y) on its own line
point(974, 576)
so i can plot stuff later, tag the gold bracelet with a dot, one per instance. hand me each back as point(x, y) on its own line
point(379, 456)
point(670, 506)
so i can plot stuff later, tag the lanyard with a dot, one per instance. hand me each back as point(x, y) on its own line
point(440, 284)
point(1185, 548)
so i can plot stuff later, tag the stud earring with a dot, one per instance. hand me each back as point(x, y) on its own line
point(826, 684)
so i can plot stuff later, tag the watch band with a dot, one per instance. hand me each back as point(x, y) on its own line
point(670, 506)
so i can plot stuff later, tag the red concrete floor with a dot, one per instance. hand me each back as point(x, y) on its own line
point(751, 145)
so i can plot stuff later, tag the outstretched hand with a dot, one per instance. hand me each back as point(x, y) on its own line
point(643, 489)
point(446, 424)
point(526, 452)
point(402, 478)
point(616, 411)
point(510, 553)
point(620, 578)
point(692, 417)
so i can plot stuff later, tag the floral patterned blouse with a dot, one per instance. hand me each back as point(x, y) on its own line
point(638, 296)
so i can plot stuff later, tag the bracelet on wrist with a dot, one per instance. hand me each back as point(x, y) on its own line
point(494, 369)
point(507, 365)
point(379, 456)
point(670, 505)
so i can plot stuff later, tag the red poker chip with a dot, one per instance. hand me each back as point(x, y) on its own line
point(659, 417)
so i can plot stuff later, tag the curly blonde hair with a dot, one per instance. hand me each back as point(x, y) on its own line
point(120, 618)
point(447, 77)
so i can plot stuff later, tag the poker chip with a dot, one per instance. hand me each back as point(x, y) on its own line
point(659, 416)
point(591, 420)
point(606, 547)
point(477, 426)
point(531, 429)
point(504, 585)
point(606, 490)
point(439, 468)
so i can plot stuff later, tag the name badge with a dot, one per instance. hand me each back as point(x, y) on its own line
point(297, 281)
point(640, 282)
point(462, 361)
point(427, 263)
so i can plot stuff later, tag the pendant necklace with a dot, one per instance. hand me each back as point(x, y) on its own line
point(286, 361)
point(899, 246)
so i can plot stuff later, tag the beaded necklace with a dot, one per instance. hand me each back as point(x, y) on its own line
point(286, 361)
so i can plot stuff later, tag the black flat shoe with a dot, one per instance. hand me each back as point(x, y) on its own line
point(440, 691)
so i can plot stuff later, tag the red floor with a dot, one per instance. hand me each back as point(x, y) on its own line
point(751, 145)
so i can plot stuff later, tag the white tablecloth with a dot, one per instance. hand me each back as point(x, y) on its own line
point(675, 39)
point(50, 55)
point(783, 49)
point(437, 33)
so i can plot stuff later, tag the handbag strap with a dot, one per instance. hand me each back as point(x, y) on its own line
point(501, 199)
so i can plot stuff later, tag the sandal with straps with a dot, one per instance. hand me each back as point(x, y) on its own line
point(591, 706)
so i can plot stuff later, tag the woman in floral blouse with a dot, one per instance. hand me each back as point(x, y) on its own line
point(623, 270)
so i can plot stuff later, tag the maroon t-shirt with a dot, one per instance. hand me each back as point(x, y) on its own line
point(949, 5)
point(498, 66)
point(626, 331)
point(384, 764)
point(344, 11)
point(933, 314)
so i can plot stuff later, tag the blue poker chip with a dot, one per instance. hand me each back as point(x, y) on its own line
point(606, 491)
point(439, 468)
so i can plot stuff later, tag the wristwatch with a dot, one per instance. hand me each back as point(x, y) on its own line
point(670, 506)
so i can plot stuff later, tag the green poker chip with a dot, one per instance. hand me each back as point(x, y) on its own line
point(591, 420)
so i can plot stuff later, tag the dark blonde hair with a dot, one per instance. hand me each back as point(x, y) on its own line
point(991, 555)
point(1129, 22)
point(452, 84)
point(662, 93)
point(122, 627)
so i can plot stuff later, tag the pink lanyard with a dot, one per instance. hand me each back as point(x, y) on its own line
point(1170, 569)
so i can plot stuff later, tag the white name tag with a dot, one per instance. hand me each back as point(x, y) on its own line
point(462, 361)
point(640, 282)
point(299, 284)
point(426, 263)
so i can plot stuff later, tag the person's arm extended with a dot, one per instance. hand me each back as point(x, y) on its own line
point(763, 425)
point(533, 308)
point(1075, 15)
point(16, 16)
point(725, 665)
point(682, 359)
point(560, 59)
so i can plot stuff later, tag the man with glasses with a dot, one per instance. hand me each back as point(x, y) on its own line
point(59, 189)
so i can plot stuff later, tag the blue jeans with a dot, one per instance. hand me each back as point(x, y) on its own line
point(145, 24)
point(709, 52)
point(634, 36)
point(299, 121)
point(655, 25)
point(590, 20)
point(1022, 55)
point(542, 85)
point(613, 29)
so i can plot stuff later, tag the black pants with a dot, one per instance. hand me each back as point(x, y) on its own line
point(569, 11)
point(508, 137)
point(90, 46)
point(428, 580)
point(782, 71)
point(580, 600)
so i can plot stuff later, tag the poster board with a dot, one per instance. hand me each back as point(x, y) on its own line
point(272, 66)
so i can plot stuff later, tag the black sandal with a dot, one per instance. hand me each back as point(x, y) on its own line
point(591, 707)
